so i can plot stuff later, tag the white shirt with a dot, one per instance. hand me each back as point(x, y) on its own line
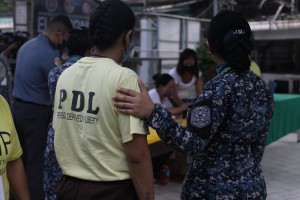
point(185, 90)
point(166, 103)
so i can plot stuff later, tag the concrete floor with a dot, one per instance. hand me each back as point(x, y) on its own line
point(281, 167)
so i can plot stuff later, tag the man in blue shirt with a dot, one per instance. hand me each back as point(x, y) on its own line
point(31, 109)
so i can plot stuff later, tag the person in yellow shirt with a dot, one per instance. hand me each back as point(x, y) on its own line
point(12, 173)
point(102, 154)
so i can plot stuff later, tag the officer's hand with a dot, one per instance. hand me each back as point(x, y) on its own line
point(134, 103)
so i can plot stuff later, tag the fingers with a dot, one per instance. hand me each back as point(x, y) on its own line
point(126, 92)
point(132, 93)
point(118, 98)
point(123, 97)
point(142, 86)
point(119, 104)
point(125, 111)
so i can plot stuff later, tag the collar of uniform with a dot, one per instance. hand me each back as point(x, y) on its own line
point(73, 59)
point(223, 68)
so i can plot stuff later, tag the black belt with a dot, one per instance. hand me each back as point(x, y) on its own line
point(31, 103)
point(66, 178)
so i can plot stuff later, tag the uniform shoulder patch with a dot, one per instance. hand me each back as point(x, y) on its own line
point(57, 61)
point(200, 118)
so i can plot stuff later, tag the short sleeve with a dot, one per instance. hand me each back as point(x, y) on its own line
point(16, 150)
point(128, 124)
point(50, 62)
point(154, 96)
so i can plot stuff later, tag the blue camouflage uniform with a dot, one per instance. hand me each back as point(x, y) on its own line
point(224, 138)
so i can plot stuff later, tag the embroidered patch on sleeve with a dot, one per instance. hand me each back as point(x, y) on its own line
point(200, 116)
point(57, 61)
point(200, 119)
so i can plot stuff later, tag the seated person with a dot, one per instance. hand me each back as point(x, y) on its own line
point(186, 76)
point(165, 94)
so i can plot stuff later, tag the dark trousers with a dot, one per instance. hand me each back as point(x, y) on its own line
point(76, 189)
point(31, 121)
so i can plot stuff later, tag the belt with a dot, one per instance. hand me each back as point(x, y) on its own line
point(66, 178)
point(31, 103)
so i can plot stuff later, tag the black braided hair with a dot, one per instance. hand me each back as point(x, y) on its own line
point(229, 34)
point(78, 42)
point(108, 21)
point(162, 79)
point(237, 50)
point(185, 54)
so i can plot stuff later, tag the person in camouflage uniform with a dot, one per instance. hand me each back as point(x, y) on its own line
point(227, 124)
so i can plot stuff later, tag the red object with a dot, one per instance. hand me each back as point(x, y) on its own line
point(164, 175)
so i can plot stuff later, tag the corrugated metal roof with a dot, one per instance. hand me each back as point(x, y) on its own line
point(203, 8)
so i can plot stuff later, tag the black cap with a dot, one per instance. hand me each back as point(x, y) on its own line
point(229, 28)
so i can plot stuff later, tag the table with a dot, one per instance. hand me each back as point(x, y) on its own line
point(286, 119)
point(163, 154)
point(153, 137)
point(156, 146)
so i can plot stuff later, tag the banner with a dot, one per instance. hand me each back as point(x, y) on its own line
point(77, 10)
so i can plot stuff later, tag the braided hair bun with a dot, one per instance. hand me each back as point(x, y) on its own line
point(108, 21)
point(229, 34)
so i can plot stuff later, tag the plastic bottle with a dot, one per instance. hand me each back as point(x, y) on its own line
point(164, 175)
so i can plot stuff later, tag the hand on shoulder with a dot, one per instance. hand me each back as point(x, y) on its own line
point(131, 102)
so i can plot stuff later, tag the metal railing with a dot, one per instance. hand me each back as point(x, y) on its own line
point(154, 66)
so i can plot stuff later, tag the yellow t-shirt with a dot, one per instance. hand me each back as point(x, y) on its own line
point(9, 144)
point(255, 68)
point(89, 132)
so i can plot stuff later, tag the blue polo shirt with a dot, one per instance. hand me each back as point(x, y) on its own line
point(35, 59)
